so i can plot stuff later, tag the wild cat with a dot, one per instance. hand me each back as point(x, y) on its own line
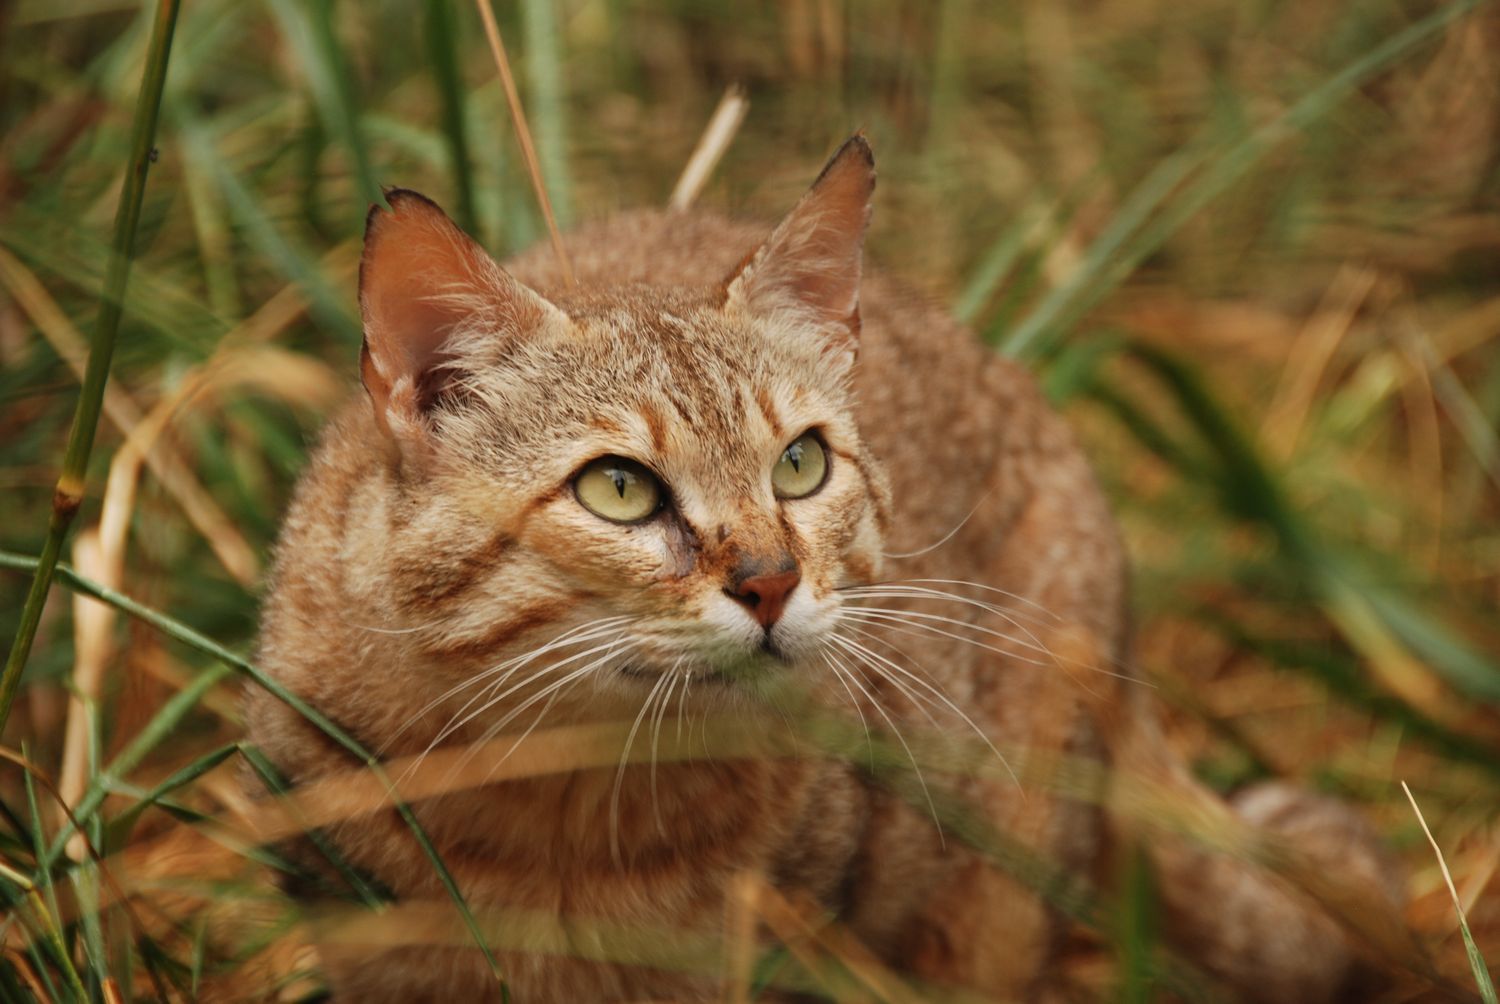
point(718, 463)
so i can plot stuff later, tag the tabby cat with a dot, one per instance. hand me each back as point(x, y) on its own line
point(718, 468)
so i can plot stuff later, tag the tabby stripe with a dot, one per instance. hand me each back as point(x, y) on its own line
point(528, 618)
point(657, 426)
point(434, 582)
point(769, 411)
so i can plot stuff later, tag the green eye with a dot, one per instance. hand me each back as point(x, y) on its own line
point(801, 469)
point(619, 490)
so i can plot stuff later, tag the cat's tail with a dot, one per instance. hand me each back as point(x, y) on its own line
point(1283, 895)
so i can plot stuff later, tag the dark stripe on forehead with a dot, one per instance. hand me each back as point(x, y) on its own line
point(657, 426)
point(681, 407)
point(768, 410)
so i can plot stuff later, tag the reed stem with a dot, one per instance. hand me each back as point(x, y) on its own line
point(68, 495)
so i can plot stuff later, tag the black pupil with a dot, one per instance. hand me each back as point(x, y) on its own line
point(794, 456)
point(620, 478)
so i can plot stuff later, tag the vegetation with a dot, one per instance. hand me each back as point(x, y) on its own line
point(1250, 248)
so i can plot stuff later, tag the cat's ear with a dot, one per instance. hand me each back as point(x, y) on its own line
point(421, 280)
point(809, 267)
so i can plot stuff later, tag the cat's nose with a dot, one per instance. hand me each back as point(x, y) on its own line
point(765, 595)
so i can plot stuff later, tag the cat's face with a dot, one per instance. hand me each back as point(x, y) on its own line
point(670, 482)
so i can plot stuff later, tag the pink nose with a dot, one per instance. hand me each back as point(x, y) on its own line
point(765, 595)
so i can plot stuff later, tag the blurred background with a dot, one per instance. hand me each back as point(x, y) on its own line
point(1252, 249)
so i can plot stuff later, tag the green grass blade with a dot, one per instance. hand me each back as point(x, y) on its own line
point(326, 305)
point(120, 826)
point(1476, 961)
point(308, 29)
point(443, 50)
point(996, 263)
point(158, 729)
point(276, 784)
point(543, 55)
point(1248, 489)
point(1046, 322)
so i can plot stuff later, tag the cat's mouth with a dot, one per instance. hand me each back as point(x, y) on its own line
point(727, 672)
point(703, 674)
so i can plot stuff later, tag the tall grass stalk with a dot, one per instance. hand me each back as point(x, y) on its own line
point(68, 495)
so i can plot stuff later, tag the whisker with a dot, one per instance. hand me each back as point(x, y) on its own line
point(614, 798)
point(923, 615)
point(854, 702)
point(687, 681)
point(491, 697)
point(661, 712)
point(1026, 600)
point(931, 805)
point(459, 719)
point(927, 593)
point(573, 636)
point(947, 536)
point(918, 701)
point(876, 616)
point(853, 646)
point(552, 691)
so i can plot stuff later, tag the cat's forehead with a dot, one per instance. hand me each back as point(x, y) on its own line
point(669, 379)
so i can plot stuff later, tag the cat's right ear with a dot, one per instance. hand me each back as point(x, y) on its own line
point(422, 280)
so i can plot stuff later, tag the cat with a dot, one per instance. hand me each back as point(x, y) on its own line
point(717, 464)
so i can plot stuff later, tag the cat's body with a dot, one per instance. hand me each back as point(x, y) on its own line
point(427, 544)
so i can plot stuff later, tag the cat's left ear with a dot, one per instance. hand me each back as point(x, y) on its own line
point(809, 268)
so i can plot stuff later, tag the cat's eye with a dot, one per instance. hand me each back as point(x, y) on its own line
point(619, 490)
point(801, 469)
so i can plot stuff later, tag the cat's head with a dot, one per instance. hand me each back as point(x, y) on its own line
point(670, 480)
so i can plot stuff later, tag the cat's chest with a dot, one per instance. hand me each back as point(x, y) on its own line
point(610, 844)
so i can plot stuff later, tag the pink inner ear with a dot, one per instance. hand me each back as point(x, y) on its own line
point(415, 260)
point(421, 277)
point(812, 259)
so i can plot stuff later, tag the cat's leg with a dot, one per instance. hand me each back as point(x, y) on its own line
point(987, 928)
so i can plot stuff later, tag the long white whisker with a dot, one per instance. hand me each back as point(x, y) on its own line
point(558, 689)
point(853, 646)
point(926, 593)
point(666, 699)
point(950, 534)
point(922, 615)
point(1028, 601)
point(918, 701)
point(614, 798)
point(854, 677)
point(493, 698)
point(459, 718)
point(894, 621)
point(687, 681)
point(573, 636)
point(854, 702)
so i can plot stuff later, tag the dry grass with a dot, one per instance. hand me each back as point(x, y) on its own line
point(1265, 293)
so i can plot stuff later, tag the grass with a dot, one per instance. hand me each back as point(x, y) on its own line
point(1248, 249)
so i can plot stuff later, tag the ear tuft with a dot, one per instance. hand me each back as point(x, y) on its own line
point(811, 263)
point(421, 279)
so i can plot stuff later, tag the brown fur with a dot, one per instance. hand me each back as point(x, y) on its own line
point(435, 535)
